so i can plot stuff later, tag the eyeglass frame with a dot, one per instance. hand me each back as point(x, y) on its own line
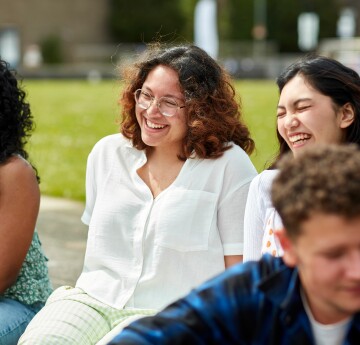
point(157, 103)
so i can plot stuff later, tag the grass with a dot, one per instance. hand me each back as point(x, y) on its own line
point(71, 116)
point(259, 100)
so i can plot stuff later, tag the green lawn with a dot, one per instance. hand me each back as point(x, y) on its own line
point(259, 101)
point(71, 116)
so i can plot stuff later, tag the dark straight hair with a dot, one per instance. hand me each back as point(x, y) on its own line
point(332, 79)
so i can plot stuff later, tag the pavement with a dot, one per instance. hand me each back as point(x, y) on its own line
point(63, 238)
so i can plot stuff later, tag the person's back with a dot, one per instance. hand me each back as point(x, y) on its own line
point(24, 279)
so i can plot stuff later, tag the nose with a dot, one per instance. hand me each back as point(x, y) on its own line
point(153, 109)
point(353, 266)
point(291, 121)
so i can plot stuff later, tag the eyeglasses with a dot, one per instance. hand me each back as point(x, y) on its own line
point(166, 105)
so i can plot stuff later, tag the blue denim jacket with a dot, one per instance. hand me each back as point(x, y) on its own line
point(252, 303)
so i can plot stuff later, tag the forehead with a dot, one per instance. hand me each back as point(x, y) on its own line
point(163, 72)
point(297, 87)
point(163, 79)
point(326, 231)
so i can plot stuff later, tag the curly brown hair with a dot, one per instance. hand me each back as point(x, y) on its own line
point(324, 180)
point(213, 115)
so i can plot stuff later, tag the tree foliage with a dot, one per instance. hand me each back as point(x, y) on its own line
point(282, 20)
point(237, 20)
point(146, 20)
point(169, 20)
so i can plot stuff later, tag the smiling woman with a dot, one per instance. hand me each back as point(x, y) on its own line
point(165, 198)
point(160, 131)
point(306, 116)
point(319, 103)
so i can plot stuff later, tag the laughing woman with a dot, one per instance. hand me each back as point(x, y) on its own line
point(319, 103)
point(165, 199)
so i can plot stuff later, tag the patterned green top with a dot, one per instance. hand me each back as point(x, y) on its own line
point(33, 283)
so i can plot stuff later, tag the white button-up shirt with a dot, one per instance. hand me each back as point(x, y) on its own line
point(261, 219)
point(144, 252)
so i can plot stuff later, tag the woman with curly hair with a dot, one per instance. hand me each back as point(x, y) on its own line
point(165, 198)
point(24, 280)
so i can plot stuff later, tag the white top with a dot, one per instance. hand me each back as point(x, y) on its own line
point(333, 334)
point(261, 219)
point(144, 252)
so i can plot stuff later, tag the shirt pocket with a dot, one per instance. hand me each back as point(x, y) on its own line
point(185, 220)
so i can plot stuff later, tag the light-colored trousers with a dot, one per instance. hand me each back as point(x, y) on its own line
point(72, 317)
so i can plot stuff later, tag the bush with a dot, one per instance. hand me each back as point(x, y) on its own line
point(145, 20)
point(51, 50)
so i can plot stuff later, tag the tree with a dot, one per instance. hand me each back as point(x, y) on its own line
point(282, 20)
point(146, 20)
point(237, 20)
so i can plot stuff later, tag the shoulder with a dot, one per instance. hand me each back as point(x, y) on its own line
point(235, 151)
point(236, 158)
point(18, 180)
point(110, 144)
point(111, 151)
point(113, 140)
point(264, 180)
point(244, 278)
point(18, 170)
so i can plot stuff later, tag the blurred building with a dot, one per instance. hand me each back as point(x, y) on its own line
point(72, 36)
point(346, 46)
point(75, 30)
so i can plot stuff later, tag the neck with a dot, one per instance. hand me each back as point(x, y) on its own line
point(163, 155)
point(160, 170)
point(320, 315)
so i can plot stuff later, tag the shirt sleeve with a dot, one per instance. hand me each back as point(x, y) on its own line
point(237, 177)
point(253, 224)
point(231, 216)
point(257, 204)
point(90, 188)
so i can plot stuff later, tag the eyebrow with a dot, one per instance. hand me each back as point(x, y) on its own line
point(166, 96)
point(279, 106)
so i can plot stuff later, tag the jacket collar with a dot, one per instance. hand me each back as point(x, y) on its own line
point(282, 288)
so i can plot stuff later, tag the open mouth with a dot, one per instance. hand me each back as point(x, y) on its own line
point(299, 139)
point(154, 125)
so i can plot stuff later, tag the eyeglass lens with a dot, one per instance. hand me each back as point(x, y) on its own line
point(167, 106)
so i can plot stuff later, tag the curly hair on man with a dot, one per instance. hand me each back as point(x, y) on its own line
point(324, 180)
point(213, 115)
point(16, 122)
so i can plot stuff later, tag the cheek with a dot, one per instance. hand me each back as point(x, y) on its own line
point(280, 127)
point(322, 273)
point(180, 124)
point(182, 131)
point(138, 115)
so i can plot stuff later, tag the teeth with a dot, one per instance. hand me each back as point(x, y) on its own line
point(298, 137)
point(154, 125)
